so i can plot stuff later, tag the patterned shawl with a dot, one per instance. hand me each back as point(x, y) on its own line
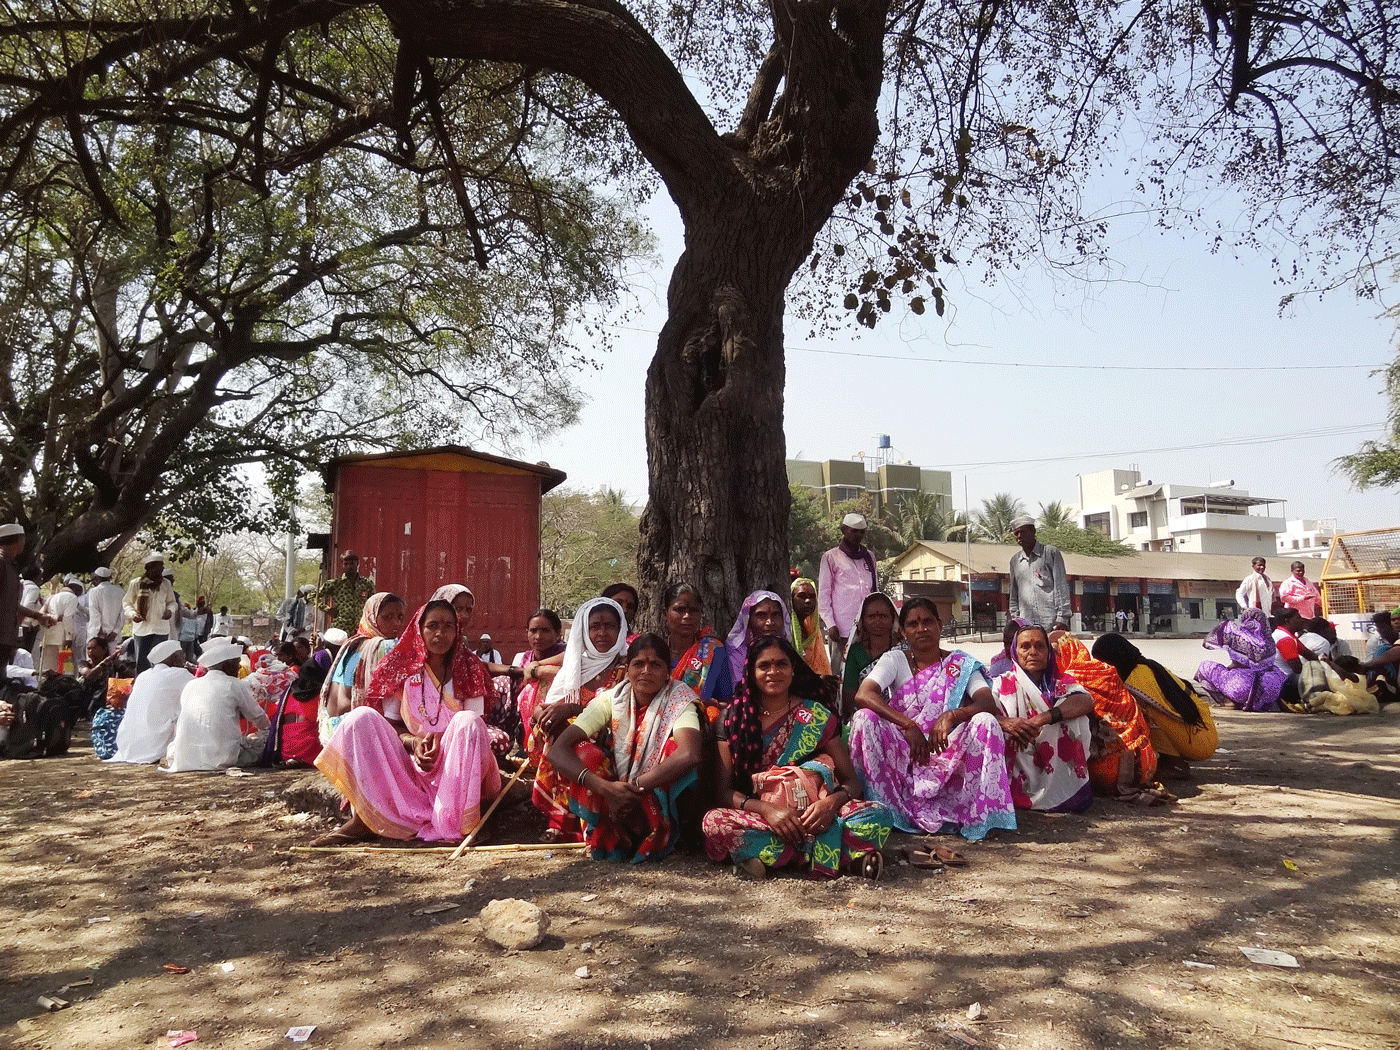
point(1248, 640)
point(640, 737)
point(362, 642)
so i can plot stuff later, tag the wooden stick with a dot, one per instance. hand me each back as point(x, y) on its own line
point(467, 842)
point(506, 847)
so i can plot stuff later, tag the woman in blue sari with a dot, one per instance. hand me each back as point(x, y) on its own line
point(774, 723)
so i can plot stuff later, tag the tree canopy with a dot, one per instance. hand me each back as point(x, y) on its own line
point(868, 144)
point(182, 294)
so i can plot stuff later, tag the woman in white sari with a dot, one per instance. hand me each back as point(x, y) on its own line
point(1045, 717)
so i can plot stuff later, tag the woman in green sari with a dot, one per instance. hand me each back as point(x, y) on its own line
point(774, 724)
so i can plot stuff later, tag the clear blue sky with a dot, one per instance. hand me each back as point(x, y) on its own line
point(1175, 304)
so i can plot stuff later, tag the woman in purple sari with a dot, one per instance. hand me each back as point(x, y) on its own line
point(1253, 679)
point(934, 753)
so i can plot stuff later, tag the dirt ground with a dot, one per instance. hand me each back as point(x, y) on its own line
point(1075, 931)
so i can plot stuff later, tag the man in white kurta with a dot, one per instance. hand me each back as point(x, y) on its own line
point(207, 734)
point(150, 606)
point(105, 616)
point(1256, 591)
point(62, 605)
point(153, 708)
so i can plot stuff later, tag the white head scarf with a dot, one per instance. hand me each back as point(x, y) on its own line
point(582, 662)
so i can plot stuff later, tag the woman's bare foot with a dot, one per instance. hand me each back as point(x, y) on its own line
point(348, 834)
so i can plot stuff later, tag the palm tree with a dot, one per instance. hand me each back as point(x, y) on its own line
point(1053, 515)
point(921, 516)
point(993, 521)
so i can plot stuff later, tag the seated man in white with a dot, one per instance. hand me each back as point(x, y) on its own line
point(207, 735)
point(148, 726)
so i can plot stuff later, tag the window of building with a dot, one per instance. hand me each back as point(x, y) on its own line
point(1097, 523)
point(1193, 609)
point(1137, 519)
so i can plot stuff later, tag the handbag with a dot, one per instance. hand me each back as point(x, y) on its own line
point(792, 787)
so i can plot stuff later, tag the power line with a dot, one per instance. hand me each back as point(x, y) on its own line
point(1032, 364)
point(1085, 368)
point(1221, 443)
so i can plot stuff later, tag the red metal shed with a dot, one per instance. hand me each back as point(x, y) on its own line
point(423, 518)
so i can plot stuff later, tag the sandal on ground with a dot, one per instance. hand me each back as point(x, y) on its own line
point(951, 857)
point(920, 858)
point(340, 838)
point(870, 865)
point(753, 868)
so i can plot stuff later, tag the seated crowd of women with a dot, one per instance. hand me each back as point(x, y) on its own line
point(645, 742)
point(1288, 662)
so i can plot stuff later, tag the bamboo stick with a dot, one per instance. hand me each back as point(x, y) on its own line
point(505, 847)
point(467, 842)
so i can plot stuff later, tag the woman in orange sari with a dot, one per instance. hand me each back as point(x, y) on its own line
point(1122, 761)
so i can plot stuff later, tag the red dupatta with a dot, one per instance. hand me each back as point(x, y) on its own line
point(410, 656)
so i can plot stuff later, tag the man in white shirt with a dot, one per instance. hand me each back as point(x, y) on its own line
point(207, 733)
point(1040, 591)
point(153, 708)
point(105, 616)
point(150, 606)
point(62, 607)
point(488, 652)
point(1256, 591)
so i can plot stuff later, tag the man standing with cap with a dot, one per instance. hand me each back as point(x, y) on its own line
point(11, 547)
point(1039, 589)
point(344, 597)
point(150, 606)
point(846, 576)
point(62, 612)
point(105, 616)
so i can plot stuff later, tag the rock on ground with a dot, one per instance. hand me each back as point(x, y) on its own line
point(513, 923)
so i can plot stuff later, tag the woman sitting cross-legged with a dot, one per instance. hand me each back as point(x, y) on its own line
point(415, 760)
point(934, 752)
point(788, 791)
point(1045, 716)
point(628, 756)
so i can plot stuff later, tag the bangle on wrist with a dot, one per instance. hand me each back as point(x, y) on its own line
point(1056, 715)
point(582, 773)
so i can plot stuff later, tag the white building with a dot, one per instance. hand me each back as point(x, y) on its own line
point(1307, 538)
point(1197, 519)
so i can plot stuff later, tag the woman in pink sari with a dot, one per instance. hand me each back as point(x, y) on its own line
point(934, 752)
point(415, 760)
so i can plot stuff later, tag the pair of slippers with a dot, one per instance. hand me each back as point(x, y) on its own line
point(933, 857)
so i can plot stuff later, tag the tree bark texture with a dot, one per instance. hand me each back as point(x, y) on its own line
point(752, 202)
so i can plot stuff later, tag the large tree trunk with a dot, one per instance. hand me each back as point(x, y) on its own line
point(718, 511)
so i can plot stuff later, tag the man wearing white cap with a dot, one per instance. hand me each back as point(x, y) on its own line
point(11, 547)
point(1039, 589)
point(150, 606)
point(846, 576)
point(105, 616)
point(207, 734)
point(153, 708)
point(61, 609)
point(486, 650)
